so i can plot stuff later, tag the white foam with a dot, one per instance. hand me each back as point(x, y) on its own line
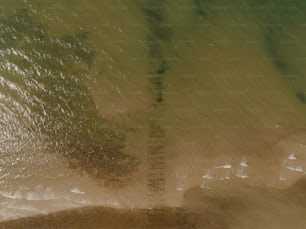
point(225, 178)
point(76, 190)
point(241, 174)
point(243, 164)
point(297, 169)
point(291, 157)
point(226, 166)
point(9, 195)
point(18, 194)
point(207, 176)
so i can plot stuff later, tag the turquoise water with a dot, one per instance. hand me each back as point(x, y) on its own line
point(132, 103)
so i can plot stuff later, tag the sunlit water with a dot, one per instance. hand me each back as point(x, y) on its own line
point(91, 91)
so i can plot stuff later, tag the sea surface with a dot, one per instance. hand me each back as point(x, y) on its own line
point(196, 105)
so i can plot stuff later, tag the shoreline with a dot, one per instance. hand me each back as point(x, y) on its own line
point(233, 206)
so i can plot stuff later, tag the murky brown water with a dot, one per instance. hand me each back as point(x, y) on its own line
point(193, 108)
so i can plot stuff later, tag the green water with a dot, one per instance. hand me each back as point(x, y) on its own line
point(155, 95)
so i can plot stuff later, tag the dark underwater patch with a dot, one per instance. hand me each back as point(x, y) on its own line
point(272, 40)
point(301, 96)
point(202, 7)
point(43, 79)
point(158, 39)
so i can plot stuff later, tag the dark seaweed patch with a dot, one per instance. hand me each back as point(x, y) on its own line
point(301, 96)
point(272, 37)
point(202, 7)
point(281, 65)
point(156, 21)
point(160, 34)
point(158, 87)
point(199, 7)
point(154, 15)
point(162, 68)
point(158, 39)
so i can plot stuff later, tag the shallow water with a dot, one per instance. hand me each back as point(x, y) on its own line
point(135, 104)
